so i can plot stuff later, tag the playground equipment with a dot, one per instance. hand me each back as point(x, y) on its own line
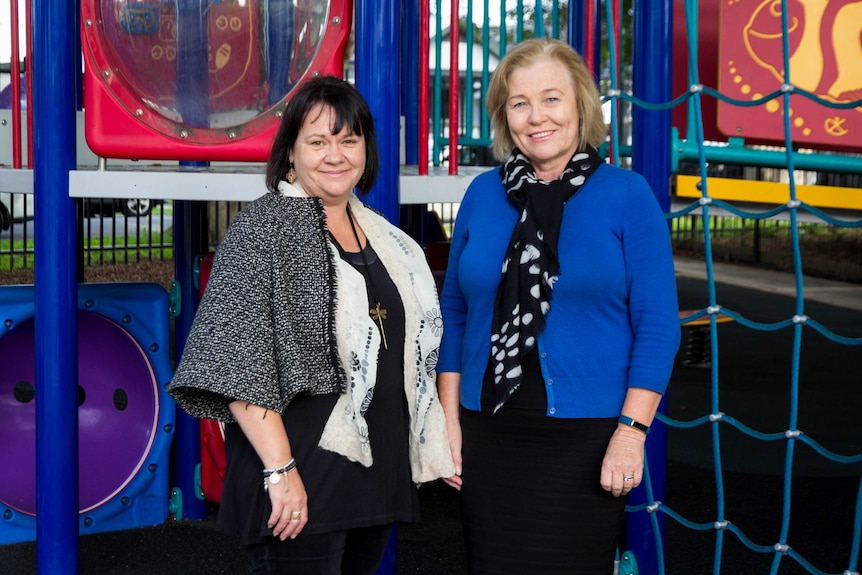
point(835, 199)
point(213, 459)
point(125, 418)
point(382, 28)
point(171, 82)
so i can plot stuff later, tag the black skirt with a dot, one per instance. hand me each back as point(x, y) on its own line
point(531, 497)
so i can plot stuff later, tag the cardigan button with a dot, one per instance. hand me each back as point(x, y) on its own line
point(552, 411)
point(550, 382)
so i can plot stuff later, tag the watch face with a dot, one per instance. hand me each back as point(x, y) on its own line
point(275, 478)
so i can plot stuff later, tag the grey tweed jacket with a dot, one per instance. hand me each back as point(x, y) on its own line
point(265, 330)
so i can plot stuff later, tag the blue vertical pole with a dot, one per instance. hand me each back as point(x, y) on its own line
point(597, 38)
point(54, 26)
point(193, 103)
point(653, 66)
point(651, 134)
point(576, 26)
point(192, 83)
point(378, 25)
point(188, 226)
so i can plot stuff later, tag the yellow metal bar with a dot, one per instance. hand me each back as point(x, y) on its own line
point(729, 189)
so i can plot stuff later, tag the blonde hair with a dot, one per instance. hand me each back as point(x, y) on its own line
point(591, 129)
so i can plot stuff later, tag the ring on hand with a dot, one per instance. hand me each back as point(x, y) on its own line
point(629, 478)
point(296, 516)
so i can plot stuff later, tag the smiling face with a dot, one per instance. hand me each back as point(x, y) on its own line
point(328, 166)
point(542, 114)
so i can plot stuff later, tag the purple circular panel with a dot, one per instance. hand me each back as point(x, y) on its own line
point(117, 412)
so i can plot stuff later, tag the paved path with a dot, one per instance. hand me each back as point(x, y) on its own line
point(839, 294)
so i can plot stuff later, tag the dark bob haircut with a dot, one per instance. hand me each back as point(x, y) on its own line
point(349, 110)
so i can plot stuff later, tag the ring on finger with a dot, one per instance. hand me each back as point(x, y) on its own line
point(296, 516)
point(629, 478)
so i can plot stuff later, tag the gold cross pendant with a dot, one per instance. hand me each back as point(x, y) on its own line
point(379, 314)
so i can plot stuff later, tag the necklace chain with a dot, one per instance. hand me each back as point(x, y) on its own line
point(377, 313)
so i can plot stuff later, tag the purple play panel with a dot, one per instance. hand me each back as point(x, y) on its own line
point(117, 412)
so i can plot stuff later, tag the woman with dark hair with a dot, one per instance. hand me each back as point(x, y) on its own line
point(316, 342)
point(561, 327)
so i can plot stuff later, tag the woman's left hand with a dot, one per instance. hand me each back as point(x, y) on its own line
point(623, 465)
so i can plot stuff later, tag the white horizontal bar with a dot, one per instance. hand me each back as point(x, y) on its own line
point(19, 181)
point(227, 183)
point(234, 185)
point(246, 183)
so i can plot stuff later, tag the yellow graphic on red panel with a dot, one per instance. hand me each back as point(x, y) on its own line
point(824, 43)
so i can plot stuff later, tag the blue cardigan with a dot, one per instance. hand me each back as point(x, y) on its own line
point(613, 322)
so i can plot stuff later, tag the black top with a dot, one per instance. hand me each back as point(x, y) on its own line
point(341, 494)
point(530, 397)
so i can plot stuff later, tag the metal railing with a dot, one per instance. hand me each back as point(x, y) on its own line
point(107, 235)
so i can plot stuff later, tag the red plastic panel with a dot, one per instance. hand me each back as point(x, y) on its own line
point(142, 94)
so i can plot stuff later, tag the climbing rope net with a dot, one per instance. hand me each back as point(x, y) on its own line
point(716, 419)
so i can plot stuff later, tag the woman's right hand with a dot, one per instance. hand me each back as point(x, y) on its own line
point(448, 384)
point(288, 499)
point(453, 428)
point(269, 439)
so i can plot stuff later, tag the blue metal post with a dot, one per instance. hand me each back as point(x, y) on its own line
point(651, 133)
point(597, 38)
point(576, 27)
point(54, 38)
point(191, 64)
point(193, 103)
point(652, 70)
point(187, 447)
point(378, 25)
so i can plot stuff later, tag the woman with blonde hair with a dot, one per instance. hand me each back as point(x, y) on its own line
point(561, 322)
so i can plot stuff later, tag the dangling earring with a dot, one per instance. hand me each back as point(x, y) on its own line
point(291, 174)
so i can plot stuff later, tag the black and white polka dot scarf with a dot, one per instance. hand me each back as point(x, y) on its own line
point(531, 265)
